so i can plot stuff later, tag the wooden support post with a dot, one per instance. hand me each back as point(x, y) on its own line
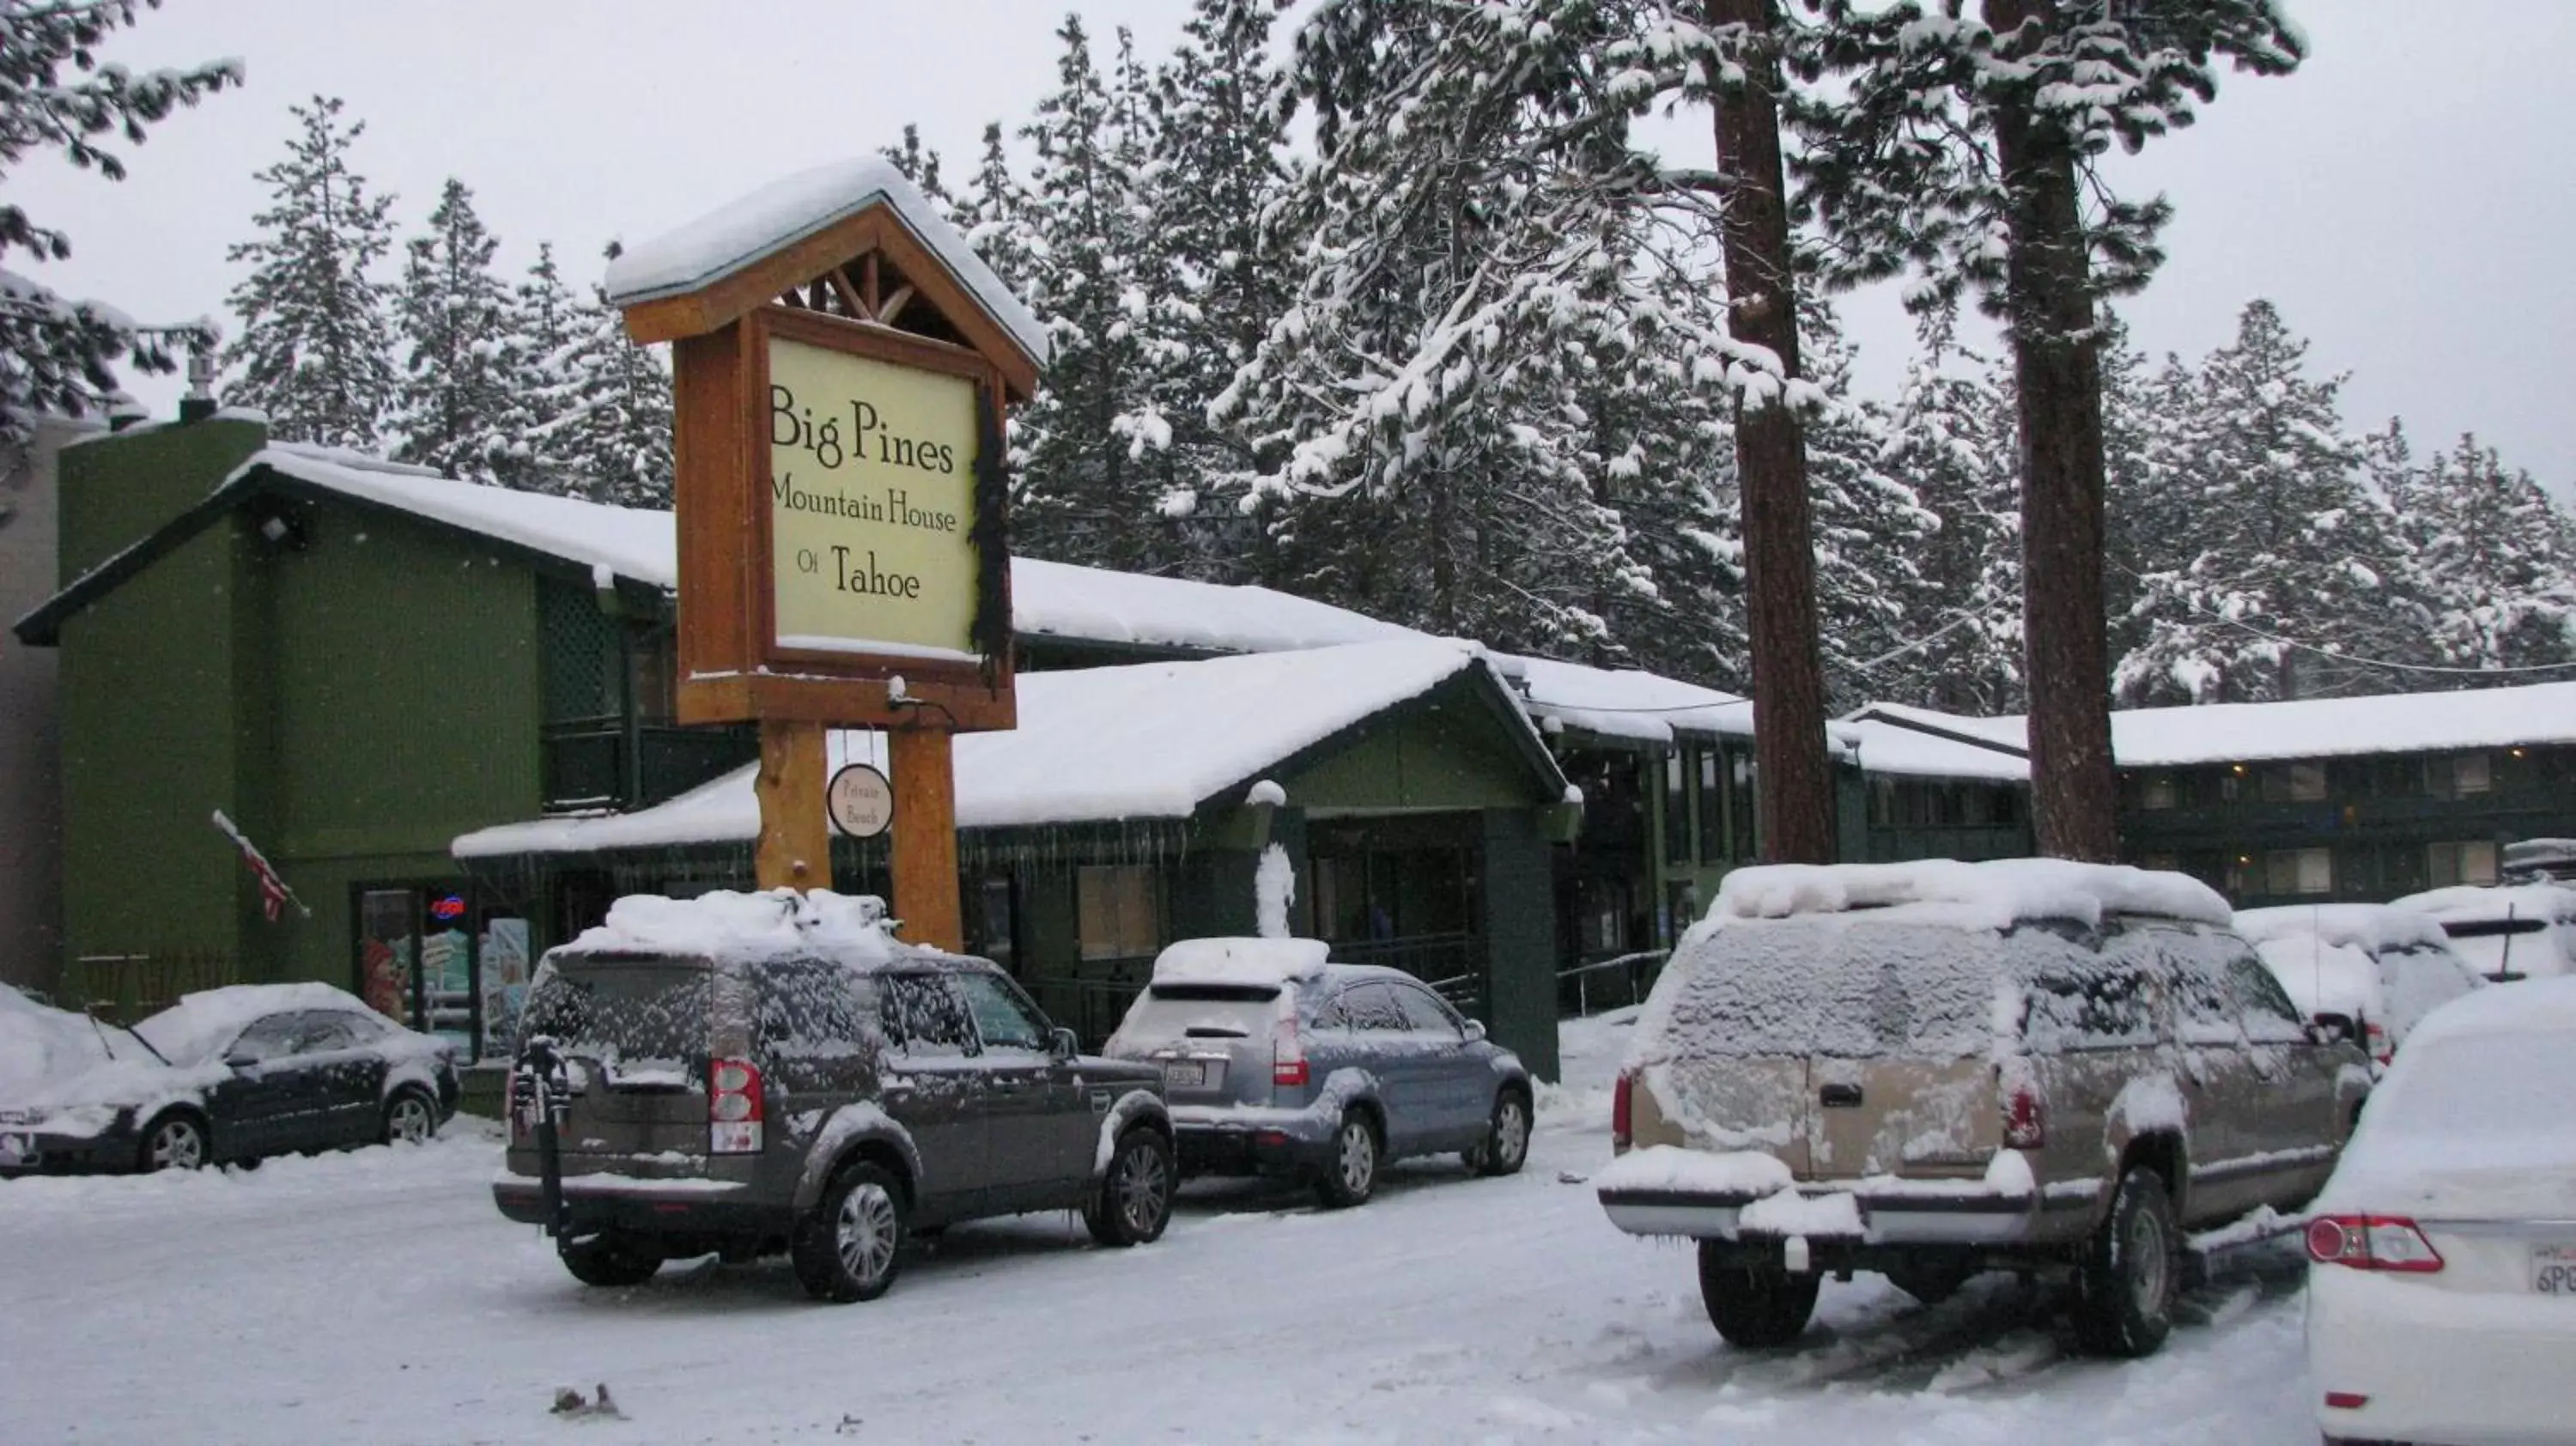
point(795, 849)
point(925, 838)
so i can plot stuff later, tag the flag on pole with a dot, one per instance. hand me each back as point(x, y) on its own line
point(274, 895)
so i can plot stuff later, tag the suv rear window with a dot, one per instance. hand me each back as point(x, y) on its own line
point(1201, 1011)
point(636, 1012)
point(1843, 986)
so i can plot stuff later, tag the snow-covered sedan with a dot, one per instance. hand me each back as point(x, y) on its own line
point(2442, 1274)
point(233, 1074)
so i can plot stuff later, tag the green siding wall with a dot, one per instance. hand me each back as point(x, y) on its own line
point(1449, 755)
point(1519, 908)
point(120, 488)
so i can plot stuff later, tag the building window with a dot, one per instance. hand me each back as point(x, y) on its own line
point(2298, 871)
point(1676, 808)
point(2294, 783)
point(2458, 775)
point(2156, 791)
point(2460, 863)
point(1118, 912)
point(2167, 863)
point(1739, 801)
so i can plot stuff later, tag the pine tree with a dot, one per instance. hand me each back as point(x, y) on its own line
point(57, 353)
point(1942, 136)
point(315, 350)
point(2497, 561)
point(1871, 530)
point(1082, 491)
point(919, 164)
point(2287, 563)
point(1949, 434)
point(995, 217)
point(544, 316)
point(607, 433)
point(453, 403)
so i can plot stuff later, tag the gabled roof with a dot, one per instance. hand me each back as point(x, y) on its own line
point(740, 235)
point(636, 548)
point(1145, 741)
point(2304, 728)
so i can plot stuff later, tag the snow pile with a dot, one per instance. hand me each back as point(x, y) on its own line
point(1253, 963)
point(1695, 1172)
point(40, 1044)
point(2325, 978)
point(2472, 1122)
point(2373, 928)
point(724, 925)
point(1995, 894)
point(1090, 604)
point(1274, 888)
point(2553, 902)
point(2526, 929)
point(786, 211)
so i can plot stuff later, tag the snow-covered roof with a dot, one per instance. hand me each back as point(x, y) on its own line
point(190, 1031)
point(1254, 962)
point(1993, 894)
point(788, 210)
point(2465, 902)
point(1145, 741)
point(2375, 928)
point(1048, 599)
point(1892, 750)
point(1623, 702)
point(2306, 728)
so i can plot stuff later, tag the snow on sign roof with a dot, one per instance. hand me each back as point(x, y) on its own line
point(2307, 728)
point(1151, 740)
point(792, 208)
point(1048, 599)
point(1993, 895)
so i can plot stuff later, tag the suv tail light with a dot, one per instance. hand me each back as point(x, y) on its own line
point(2372, 1242)
point(2025, 1117)
point(733, 1107)
point(2376, 1040)
point(1287, 1054)
point(1622, 1105)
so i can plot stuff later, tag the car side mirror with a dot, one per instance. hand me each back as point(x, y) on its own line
point(1475, 1031)
point(2327, 1028)
point(240, 1061)
point(1062, 1044)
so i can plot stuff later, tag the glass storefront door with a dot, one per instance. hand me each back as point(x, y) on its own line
point(433, 959)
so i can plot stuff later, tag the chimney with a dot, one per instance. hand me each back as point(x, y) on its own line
point(199, 403)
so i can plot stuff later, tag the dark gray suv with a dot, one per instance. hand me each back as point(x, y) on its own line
point(821, 1092)
point(1279, 1061)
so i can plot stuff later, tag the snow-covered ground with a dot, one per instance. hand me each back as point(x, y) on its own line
point(376, 1297)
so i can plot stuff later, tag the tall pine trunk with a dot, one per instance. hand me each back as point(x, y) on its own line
point(1793, 781)
point(2057, 364)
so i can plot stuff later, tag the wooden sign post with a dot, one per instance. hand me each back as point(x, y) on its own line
point(843, 363)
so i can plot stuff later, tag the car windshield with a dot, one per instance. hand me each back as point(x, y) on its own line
point(637, 1013)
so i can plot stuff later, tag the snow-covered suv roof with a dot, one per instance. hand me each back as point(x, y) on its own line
point(1995, 894)
point(729, 928)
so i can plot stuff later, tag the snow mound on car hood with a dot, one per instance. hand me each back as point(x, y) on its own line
point(39, 1044)
point(1995, 894)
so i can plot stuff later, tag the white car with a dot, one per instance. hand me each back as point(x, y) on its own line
point(2379, 969)
point(2515, 931)
point(2442, 1254)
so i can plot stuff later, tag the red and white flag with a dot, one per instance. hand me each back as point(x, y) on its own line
point(274, 895)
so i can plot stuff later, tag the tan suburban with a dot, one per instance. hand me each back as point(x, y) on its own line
point(1932, 1070)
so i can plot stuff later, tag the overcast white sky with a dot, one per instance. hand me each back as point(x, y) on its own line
point(2406, 198)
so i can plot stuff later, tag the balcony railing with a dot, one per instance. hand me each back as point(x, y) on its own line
point(617, 763)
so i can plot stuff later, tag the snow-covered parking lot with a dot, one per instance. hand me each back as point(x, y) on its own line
point(376, 1297)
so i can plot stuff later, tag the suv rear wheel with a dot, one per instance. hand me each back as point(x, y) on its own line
point(610, 1260)
point(1134, 1201)
point(850, 1245)
point(1350, 1176)
point(1757, 1307)
point(2124, 1289)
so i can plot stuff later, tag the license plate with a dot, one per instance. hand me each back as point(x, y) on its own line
point(2553, 1270)
point(1185, 1075)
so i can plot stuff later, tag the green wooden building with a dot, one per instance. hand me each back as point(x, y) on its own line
point(361, 664)
point(2364, 798)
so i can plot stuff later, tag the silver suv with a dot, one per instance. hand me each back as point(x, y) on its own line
point(1278, 1061)
point(1931, 1070)
point(810, 1087)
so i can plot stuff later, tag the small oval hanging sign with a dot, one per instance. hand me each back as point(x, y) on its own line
point(860, 801)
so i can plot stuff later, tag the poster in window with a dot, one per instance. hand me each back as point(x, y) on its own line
point(504, 947)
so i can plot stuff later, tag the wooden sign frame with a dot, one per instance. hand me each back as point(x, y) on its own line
point(732, 667)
